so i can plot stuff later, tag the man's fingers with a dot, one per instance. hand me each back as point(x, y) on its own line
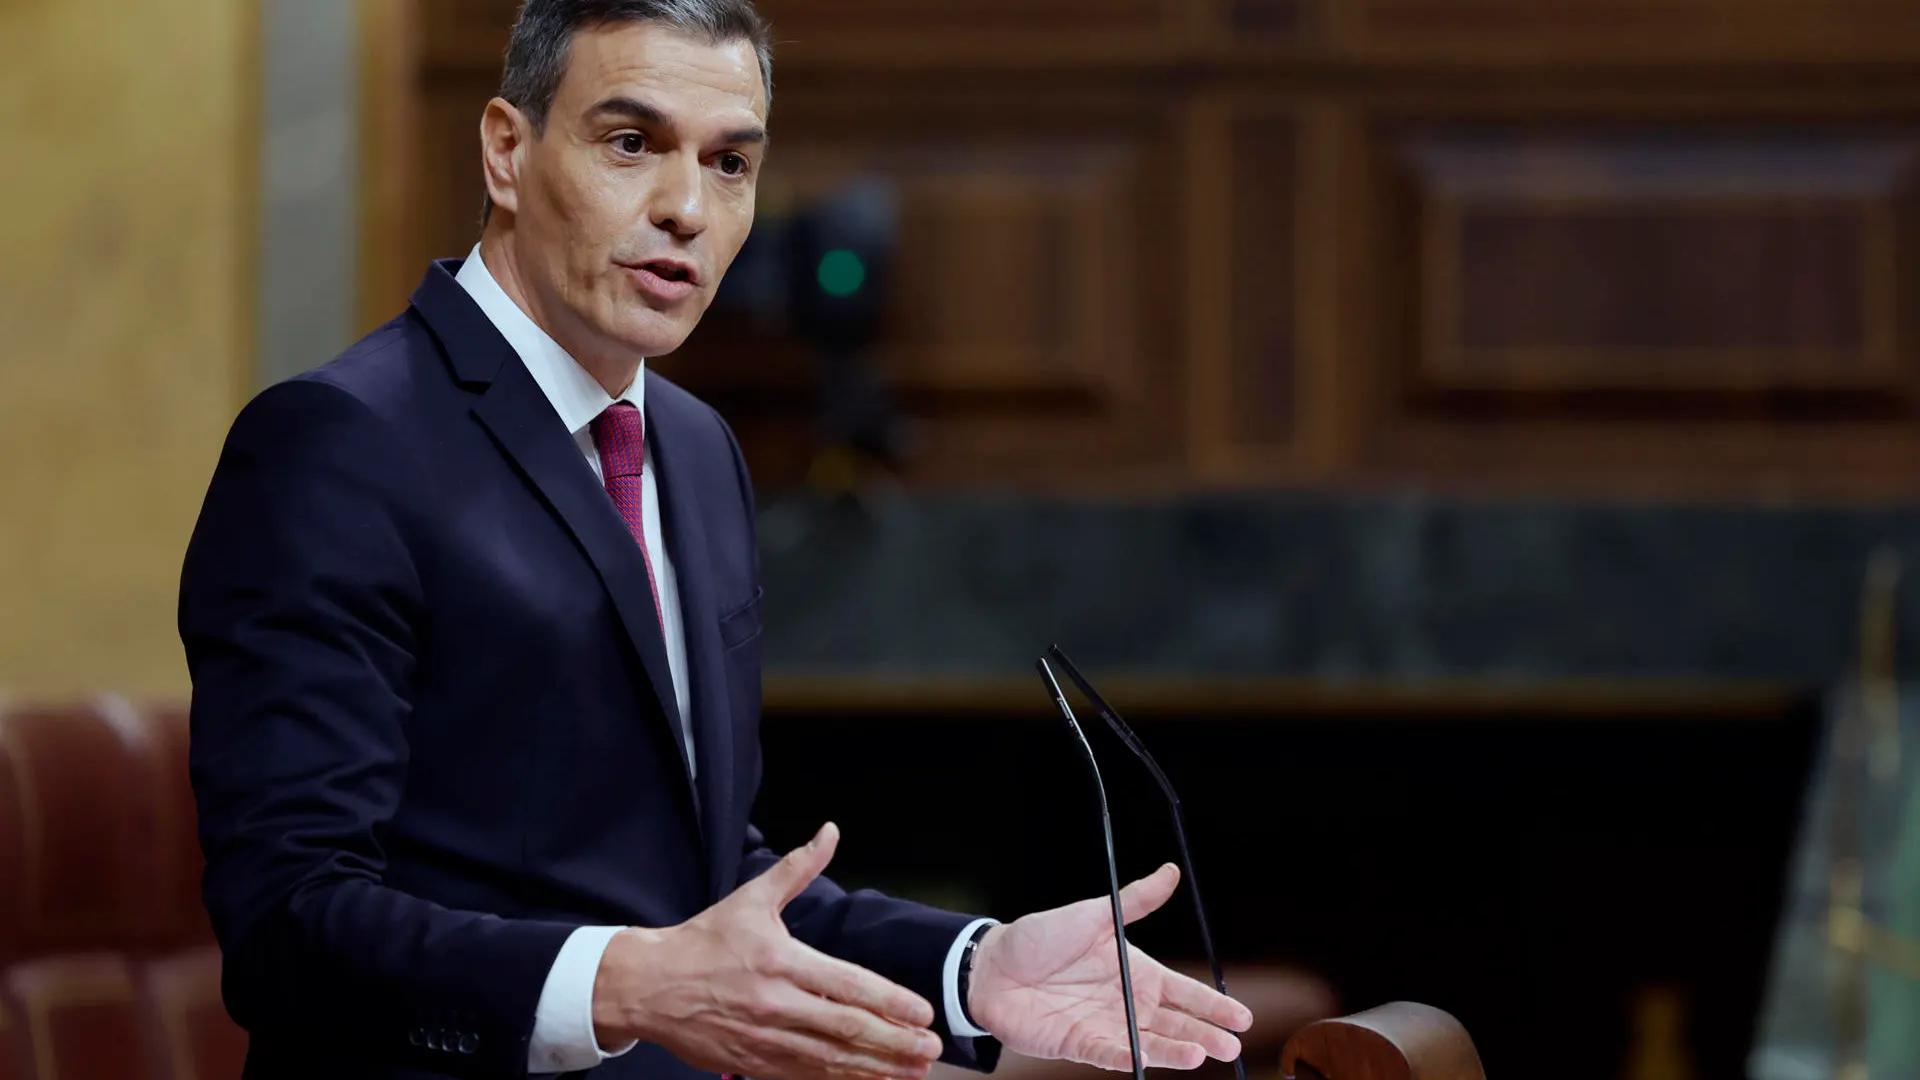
point(1220, 1045)
point(834, 1038)
point(850, 984)
point(858, 1029)
point(1196, 998)
point(792, 874)
point(1144, 897)
point(800, 1055)
point(1161, 1053)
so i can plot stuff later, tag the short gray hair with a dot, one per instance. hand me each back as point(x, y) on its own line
point(542, 42)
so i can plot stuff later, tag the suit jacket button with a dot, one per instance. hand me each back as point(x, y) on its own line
point(469, 1042)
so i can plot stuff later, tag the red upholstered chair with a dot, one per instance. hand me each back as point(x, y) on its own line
point(14, 1064)
point(79, 830)
point(84, 1018)
point(111, 976)
point(198, 1040)
point(181, 920)
point(13, 853)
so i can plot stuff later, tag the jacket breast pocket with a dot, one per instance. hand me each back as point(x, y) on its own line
point(742, 624)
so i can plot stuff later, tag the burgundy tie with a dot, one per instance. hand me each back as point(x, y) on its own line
point(619, 435)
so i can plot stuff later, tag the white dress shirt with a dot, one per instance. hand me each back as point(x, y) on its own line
point(563, 1038)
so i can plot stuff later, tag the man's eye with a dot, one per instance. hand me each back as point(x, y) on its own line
point(631, 143)
point(733, 164)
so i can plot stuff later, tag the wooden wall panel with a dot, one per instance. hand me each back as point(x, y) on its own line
point(1705, 33)
point(1262, 237)
point(469, 34)
point(448, 223)
point(1587, 246)
point(978, 34)
point(1607, 299)
point(924, 21)
point(1031, 322)
point(128, 295)
point(1015, 255)
point(1674, 259)
point(1257, 22)
point(900, 34)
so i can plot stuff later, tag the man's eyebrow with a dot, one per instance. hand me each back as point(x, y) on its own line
point(640, 112)
point(628, 108)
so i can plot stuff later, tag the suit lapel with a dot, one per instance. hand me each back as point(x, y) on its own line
point(685, 530)
point(515, 411)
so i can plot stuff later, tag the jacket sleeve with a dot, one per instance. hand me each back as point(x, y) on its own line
point(901, 940)
point(299, 608)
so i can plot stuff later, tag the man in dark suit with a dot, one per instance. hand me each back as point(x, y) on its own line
point(473, 617)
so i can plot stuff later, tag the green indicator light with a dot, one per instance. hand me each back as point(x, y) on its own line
point(842, 273)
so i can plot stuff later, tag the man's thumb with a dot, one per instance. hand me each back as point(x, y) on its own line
point(1144, 897)
point(792, 874)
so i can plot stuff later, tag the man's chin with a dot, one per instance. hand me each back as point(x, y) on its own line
point(652, 341)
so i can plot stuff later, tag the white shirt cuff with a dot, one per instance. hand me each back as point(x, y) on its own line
point(957, 1025)
point(563, 1039)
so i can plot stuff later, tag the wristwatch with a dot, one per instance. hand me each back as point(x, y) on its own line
point(966, 971)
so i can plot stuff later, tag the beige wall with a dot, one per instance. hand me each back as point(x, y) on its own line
point(125, 291)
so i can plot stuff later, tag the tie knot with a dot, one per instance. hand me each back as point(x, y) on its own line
point(618, 435)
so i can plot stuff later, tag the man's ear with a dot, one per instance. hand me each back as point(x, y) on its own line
point(504, 135)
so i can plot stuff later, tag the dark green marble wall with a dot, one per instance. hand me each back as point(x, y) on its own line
point(1334, 588)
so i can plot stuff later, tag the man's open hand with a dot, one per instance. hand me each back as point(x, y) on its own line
point(730, 991)
point(1048, 986)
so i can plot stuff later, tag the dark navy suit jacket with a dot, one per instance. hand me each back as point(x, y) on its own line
point(433, 728)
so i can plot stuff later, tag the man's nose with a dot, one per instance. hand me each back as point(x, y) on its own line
point(679, 200)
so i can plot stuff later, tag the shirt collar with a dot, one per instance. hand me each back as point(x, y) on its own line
point(577, 396)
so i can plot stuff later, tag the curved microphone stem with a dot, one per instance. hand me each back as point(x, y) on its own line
point(1113, 870)
point(1133, 743)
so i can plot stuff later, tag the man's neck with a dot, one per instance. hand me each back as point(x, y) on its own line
point(497, 250)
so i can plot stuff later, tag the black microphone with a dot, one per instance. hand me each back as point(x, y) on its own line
point(1113, 868)
point(1133, 743)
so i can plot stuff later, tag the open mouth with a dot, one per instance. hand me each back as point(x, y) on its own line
point(669, 271)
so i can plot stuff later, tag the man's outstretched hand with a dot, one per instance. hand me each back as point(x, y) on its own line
point(1048, 986)
point(730, 991)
